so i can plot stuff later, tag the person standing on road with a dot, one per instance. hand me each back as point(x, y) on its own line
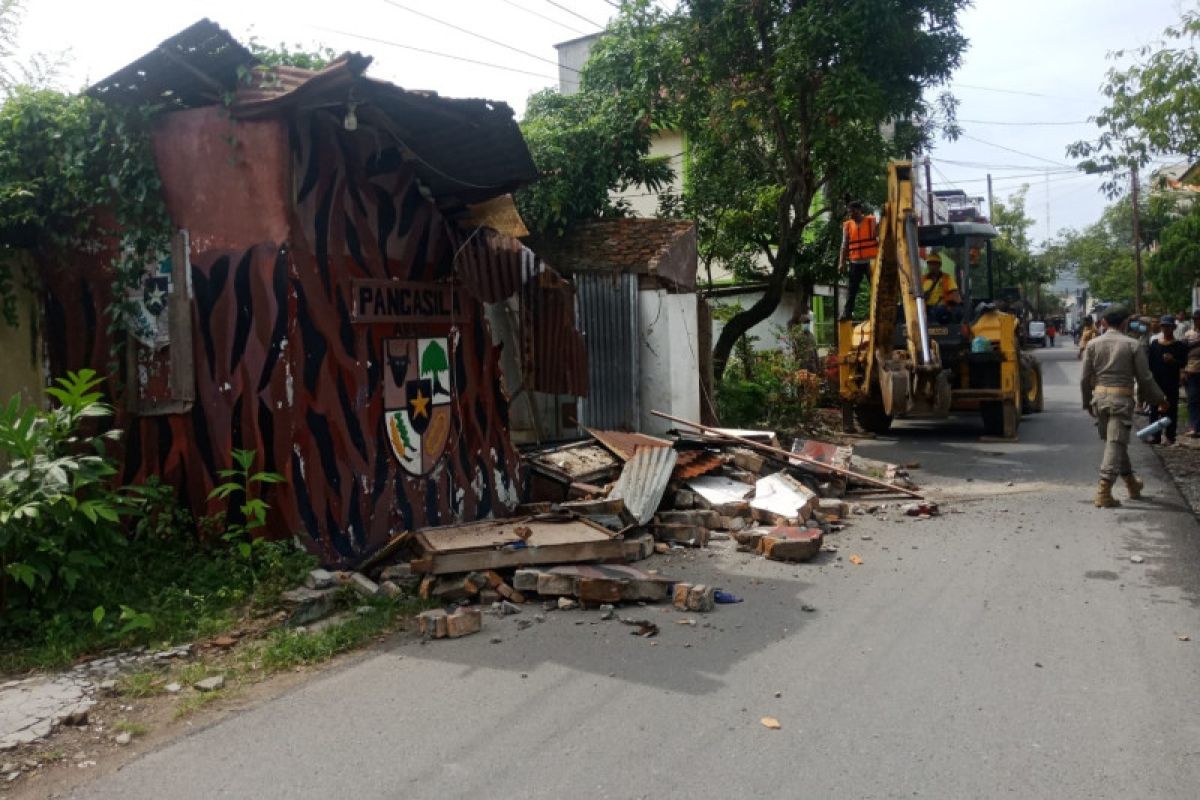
point(1183, 324)
point(1167, 358)
point(860, 243)
point(1051, 332)
point(1112, 365)
point(1086, 335)
point(1191, 374)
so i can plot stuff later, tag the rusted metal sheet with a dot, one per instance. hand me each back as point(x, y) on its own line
point(644, 480)
point(580, 462)
point(608, 317)
point(693, 463)
point(624, 444)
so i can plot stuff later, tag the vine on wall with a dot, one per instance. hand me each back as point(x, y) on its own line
point(78, 175)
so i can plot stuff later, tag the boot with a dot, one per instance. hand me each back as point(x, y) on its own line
point(1104, 496)
point(1134, 484)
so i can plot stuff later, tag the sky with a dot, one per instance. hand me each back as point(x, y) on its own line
point(1030, 61)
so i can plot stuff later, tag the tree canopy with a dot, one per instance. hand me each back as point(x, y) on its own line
point(1153, 106)
point(787, 107)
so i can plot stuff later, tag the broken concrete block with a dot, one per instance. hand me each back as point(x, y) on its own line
point(489, 596)
point(363, 585)
point(566, 604)
point(701, 598)
point(784, 496)
point(210, 684)
point(832, 507)
point(308, 605)
point(749, 538)
point(749, 461)
point(791, 544)
point(453, 588)
point(432, 623)
point(683, 499)
point(734, 524)
point(740, 508)
point(319, 579)
point(679, 595)
point(464, 622)
point(694, 535)
point(550, 584)
point(705, 517)
point(639, 547)
point(526, 580)
point(391, 589)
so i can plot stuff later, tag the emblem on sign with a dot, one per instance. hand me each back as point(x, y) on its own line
point(416, 396)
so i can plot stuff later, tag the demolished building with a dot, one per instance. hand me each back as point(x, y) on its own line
point(324, 302)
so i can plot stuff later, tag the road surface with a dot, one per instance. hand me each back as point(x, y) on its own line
point(1009, 650)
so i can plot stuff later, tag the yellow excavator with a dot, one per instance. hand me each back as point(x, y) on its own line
point(911, 359)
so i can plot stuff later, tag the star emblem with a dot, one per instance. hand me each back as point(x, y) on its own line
point(420, 404)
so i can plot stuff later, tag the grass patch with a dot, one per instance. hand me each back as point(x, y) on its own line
point(146, 683)
point(190, 704)
point(132, 728)
point(286, 648)
point(176, 589)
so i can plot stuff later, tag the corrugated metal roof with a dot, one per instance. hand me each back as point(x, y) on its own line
point(465, 151)
point(626, 444)
point(692, 463)
point(192, 68)
point(644, 480)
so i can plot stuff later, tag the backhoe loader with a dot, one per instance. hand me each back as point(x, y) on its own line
point(910, 359)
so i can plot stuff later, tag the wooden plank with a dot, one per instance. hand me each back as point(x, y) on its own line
point(439, 541)
point(469, 561)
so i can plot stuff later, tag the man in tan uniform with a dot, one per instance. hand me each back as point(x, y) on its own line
point(1112, 363)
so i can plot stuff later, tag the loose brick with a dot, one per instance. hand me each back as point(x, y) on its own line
point(464, 622)
point(526, 580)
point(791, 544)
point(432, 623)
point(701, 598)
point(679, 597)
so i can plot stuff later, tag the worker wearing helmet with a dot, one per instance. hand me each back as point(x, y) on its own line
point(939, 288)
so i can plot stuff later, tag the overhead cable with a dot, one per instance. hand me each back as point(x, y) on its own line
point(575, 14)
point(545, 17)
point(488, 39)
point(451, 56)
point(1013, 150)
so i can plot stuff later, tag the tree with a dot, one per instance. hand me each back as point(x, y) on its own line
point(1175, 268)
point(36, 70)
point(585, 146)
point(1153, 107)
point(785, 107)
point(1102, 253)
point(1013, 261)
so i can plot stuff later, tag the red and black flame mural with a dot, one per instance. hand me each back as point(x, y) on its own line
point(280, 366)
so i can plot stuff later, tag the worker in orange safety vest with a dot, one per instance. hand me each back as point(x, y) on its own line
point(860, 243)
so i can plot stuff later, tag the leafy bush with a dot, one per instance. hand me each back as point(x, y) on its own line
point(85, 564)
point(61, 523)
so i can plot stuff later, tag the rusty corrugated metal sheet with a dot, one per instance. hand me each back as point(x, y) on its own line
point(192, 68)
point(626, 444)
point(644, 480)
point(693, 463)
point(608, 317)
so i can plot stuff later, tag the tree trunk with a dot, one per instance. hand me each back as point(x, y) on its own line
point(742, 322)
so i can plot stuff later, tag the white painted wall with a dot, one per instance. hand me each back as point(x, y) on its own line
point(768, 331)
point(670, 369)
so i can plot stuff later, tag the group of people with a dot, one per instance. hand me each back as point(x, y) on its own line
point(860, 245)
point(1124, 362)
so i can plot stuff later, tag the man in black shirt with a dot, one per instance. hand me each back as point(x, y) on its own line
point(1168, 356)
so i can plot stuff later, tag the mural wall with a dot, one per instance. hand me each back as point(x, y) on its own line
point(384, 413)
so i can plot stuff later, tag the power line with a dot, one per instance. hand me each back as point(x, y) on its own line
point(545, 17)
point(575, 14)
point(1023, 124)
point(1013, 150)
point(478, 35)
point(434, 53)
point(991, 165)
point(1015, 91)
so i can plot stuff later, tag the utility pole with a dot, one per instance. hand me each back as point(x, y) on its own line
point(1137, 244)
point(991, 211)
point(928, 191)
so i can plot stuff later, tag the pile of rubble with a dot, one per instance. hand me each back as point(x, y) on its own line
point(598, 506)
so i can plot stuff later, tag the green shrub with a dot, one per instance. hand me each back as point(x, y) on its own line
point(61, 522)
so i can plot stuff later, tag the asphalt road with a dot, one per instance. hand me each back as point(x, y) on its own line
point(1010, 649)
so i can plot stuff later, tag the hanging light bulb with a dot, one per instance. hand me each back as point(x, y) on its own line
point(350, 122)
